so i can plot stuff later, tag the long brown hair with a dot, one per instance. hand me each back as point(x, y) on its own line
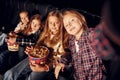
point(46, 33)
point(28, 29)
point(80, 17)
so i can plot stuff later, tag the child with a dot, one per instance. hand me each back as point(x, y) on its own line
point(51, 37)
point(28, 38)
point(86, 63)
point(24, 19)
point(19, 31)
point(107, 39)
point(29, 35)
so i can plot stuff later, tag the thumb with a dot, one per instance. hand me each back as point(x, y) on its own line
point(57, 70)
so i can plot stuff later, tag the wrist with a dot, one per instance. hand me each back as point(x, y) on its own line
point(44, 68)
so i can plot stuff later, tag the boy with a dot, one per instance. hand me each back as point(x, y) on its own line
point(24, 19)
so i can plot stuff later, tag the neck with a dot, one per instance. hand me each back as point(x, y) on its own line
point(51, 37)
point(78, 35)
point(54, 32)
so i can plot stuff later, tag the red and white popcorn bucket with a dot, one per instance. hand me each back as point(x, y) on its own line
point(39, 55)
point(12, 46)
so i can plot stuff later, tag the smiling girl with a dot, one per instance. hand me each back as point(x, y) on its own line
point(86, 63)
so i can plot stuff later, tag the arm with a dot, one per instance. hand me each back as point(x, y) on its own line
point(22, 41)
point(25, 41)
point(20, 27)
point(64, 65)
point(17, 29)
point(38, 68)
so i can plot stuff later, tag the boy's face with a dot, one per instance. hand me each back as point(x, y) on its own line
point(24, 18)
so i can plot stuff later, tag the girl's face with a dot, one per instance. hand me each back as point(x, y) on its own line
point(54, 24)
point(24, 18)
point(72, 24)
point(35, 25)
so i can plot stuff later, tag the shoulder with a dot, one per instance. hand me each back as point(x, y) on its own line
point(90, 30)
point(90, 33)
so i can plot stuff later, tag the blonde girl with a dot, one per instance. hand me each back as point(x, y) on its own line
point(86, 63)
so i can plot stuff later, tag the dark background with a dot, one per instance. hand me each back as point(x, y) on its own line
point(9, 9)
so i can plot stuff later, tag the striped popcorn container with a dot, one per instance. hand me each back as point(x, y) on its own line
point(39, 54)
point(12, 46)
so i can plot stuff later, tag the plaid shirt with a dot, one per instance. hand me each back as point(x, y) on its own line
point(25, 41)
point(86, 63)
point(101, 44)
point(29, 40)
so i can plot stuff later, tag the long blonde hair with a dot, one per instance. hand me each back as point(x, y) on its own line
point(45, 36)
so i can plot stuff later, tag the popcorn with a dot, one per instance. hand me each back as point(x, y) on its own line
point(39, 54)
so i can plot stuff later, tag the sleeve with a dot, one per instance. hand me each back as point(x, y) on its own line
point(17, 28)
point(66, 58)
point(25, 41)
point(91, 34)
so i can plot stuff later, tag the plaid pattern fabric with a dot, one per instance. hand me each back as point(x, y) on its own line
point(25, 41)
point(29, 40)
point(86, 63)
point(101, 44)
point(66, 59)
